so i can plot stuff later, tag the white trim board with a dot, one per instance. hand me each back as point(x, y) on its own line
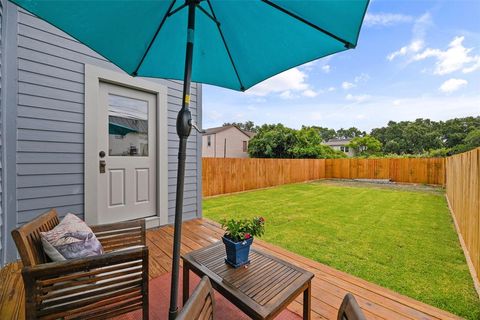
point(93, 76)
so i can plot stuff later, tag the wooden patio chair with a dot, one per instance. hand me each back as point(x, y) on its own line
point(96, 287)
point(201, 304)
point(349, 309)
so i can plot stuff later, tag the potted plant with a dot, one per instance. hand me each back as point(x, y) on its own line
point(238, 238)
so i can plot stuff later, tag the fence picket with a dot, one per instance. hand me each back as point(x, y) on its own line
point(463, 193)
point(228, 175)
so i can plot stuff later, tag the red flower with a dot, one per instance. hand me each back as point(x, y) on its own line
point(247, 236)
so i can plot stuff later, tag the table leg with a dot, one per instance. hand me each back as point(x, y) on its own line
point(186, 282)
point(307, 302)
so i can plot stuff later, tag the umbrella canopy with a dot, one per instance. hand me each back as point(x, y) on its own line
point(238, 43)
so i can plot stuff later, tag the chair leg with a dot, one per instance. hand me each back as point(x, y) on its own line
point(186, 283)
point(145, 309)
point(145, 312)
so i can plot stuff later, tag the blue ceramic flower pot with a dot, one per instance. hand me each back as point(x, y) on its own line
point(237, 252)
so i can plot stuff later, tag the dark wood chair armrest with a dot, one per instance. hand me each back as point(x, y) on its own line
point(74, 266)
point(120, 235)
point(87, 286)
point(349, 309)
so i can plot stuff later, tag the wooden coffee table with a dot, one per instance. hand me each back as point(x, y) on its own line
point(262, 290)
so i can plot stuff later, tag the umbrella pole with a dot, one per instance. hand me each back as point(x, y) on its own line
point(184, 126)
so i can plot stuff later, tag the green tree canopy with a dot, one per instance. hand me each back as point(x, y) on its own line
point(324, 133)
point(424, 135)
point(349, 133)
point(278, 141)
point(272, 141)
point(309, 145)
point(366, 146)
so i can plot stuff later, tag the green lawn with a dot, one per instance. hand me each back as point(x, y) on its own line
point(400, 238)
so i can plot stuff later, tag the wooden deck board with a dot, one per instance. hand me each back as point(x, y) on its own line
point(328, 287)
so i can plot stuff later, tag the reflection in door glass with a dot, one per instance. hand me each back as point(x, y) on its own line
point(127, 126)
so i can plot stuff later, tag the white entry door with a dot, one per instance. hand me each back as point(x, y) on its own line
point(126, 153)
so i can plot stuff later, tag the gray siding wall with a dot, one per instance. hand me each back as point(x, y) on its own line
point(50, 125)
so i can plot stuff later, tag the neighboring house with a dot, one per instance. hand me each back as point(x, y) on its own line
point(341, 145)
point(79, 135)
point(226, 142)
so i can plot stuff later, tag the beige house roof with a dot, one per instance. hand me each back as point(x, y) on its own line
point(219, 129)
point(338, 142)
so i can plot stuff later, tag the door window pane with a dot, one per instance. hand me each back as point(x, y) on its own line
point(127, 126)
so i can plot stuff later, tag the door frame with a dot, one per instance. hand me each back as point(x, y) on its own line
point(93, 76)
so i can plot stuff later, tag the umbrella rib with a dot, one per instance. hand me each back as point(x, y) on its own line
point(242, 87)
point(208, 14)
point(347, 44)
point(134, 73)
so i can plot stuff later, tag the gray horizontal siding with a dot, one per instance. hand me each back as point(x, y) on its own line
point(50, 124)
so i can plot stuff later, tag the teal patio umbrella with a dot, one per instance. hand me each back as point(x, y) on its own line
point(228, 43)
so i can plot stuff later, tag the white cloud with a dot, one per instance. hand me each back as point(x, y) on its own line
point(331, 89)
point(452, 85)
point(363, 77)
point(310, 93)
point(385, 19)
point(326, 68)
point(259, 100)
point(287, 95)
point(337, 113)
point(455, 57)
point(293, 80)
point(358, 98)
point(348, 85)
point(418, 38)
point(474, 66)
point(413, 47)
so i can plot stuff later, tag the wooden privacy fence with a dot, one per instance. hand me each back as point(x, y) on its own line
point(227, 175)
point(463, 194)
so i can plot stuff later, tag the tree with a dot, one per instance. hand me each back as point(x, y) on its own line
point(308, 146)
point(454, 131)
point(324, 133)
point(246, 126)
point(392, 146)
point(422, 135)
point(366, 146)
point(278, 141)
point(349, 133)
point(272, 141)
point(472, 140)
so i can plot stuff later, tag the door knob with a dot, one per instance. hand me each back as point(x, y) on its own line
point(102, 166)
point(102, 154)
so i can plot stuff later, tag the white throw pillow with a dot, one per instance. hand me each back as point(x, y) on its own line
point(71, 238)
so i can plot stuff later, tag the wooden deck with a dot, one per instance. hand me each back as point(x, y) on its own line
point(328, 287)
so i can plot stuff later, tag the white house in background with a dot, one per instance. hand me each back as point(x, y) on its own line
point(226, 142)
point(341, 145)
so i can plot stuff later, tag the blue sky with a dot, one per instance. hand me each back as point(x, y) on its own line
point(414, 59)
